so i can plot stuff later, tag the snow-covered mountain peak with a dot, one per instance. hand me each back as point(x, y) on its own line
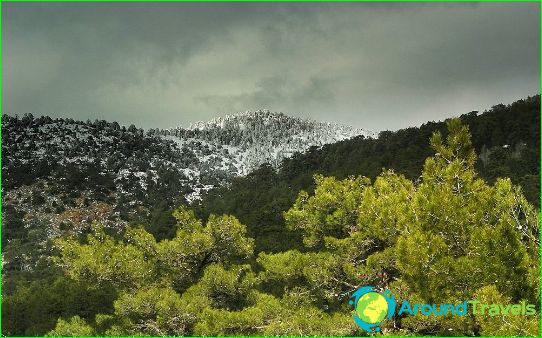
point(236, 144)
point(253, 120)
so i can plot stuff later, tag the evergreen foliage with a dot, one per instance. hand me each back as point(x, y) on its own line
point(445, 237)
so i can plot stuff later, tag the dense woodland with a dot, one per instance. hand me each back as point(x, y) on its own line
point(278, 252)
point(505, 138)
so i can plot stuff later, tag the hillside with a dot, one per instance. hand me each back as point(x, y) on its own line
point(52, 166)
point(235, 145)
point(506, 140)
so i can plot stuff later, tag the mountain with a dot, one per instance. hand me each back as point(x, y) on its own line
point(64, 173)
point(506, 139)
point(235, 145)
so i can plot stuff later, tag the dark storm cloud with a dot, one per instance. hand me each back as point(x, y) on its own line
point(372, 65)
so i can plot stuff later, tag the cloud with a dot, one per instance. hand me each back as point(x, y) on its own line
point(373, 65)
point(278, 91)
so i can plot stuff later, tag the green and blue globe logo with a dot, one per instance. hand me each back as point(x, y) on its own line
point(371, 307)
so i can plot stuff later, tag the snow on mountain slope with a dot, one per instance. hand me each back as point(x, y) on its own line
point(237, 144)
point(147, 166)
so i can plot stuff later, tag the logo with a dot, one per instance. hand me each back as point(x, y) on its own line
point(371, 307)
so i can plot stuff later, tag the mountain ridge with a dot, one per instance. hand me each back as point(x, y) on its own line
point(53, 169)
point(236, 144)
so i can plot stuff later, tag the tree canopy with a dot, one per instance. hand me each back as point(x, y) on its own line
point(446, 237)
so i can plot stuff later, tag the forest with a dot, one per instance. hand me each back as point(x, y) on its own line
point(506, 140)
point(440, 213)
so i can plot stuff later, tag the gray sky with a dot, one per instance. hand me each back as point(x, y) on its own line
point(371, 65)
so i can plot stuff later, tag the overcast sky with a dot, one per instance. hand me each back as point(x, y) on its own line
point(374, 66)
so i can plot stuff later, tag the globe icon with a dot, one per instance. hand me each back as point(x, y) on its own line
point(372, 307)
